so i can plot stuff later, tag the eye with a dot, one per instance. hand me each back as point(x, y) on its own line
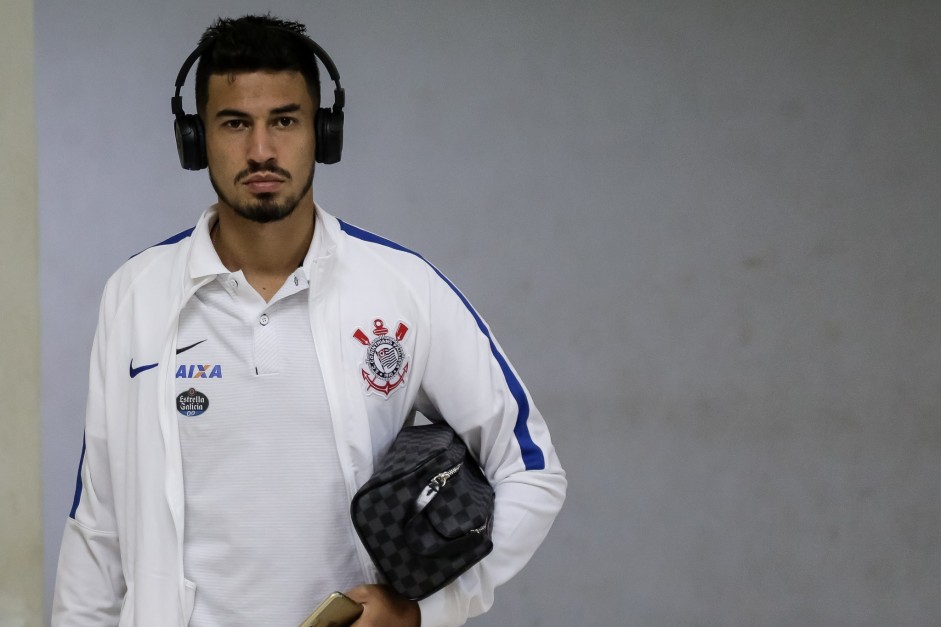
point(234, 124)
point(284, 122)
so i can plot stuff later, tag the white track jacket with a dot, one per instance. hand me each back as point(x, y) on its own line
point(121, 561)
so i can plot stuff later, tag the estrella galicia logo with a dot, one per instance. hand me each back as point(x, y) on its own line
point(192, 402)
point(199, 371)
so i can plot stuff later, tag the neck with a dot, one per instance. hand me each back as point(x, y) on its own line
point(265, 253)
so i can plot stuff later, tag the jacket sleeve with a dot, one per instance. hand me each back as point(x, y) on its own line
point(90, 584)
point(469, 383)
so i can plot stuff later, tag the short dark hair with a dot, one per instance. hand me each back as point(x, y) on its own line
point(252, 43)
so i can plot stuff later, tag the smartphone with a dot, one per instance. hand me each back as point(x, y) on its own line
point(337, 610)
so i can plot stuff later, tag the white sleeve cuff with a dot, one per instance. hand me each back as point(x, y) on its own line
point(440, 610)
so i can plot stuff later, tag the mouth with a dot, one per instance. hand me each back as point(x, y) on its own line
point(263, 183)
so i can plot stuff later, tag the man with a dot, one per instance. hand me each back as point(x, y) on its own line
point(236, 402)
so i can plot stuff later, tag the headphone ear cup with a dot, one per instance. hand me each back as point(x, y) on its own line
point(329, 129)
point(190, 141)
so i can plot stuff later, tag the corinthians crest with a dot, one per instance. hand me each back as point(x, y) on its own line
point(386, 363)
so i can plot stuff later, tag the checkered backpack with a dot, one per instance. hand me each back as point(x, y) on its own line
point(426, 515)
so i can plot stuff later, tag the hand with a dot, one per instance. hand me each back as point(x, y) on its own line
point(383, 607)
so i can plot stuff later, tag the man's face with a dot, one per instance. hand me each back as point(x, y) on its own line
point(260, 142)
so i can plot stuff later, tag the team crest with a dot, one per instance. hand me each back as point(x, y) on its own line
point(386, 364)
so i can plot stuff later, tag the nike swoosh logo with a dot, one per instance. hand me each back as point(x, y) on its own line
point(137, 371)
point(186, 348)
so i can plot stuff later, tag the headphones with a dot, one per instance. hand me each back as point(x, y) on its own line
point(328, 123)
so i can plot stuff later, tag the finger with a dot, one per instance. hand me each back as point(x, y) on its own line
point(360, 594)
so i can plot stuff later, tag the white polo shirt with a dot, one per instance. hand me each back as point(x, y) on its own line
point(267, 533)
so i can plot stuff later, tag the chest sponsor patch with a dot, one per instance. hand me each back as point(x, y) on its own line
point(199, 371)
point(385, 363)
point(192, 403)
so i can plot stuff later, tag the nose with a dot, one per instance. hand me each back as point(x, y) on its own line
point(261, 147)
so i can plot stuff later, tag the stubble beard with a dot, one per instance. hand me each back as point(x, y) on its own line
point(265, 208)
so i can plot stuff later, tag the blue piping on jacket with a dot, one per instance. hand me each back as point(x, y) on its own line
point(173, 239)
point(78, 482)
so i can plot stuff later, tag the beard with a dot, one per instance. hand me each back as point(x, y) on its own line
point(265, 207)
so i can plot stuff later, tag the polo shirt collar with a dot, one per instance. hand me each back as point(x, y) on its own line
point(205, 262)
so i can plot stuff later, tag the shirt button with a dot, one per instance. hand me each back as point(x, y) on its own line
point(233, 283)
point(263, 320)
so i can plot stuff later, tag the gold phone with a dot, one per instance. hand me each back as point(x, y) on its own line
point(337, 610)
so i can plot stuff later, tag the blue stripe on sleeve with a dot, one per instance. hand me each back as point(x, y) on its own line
point(78, 482)
point(173, 239)
point(533, 457)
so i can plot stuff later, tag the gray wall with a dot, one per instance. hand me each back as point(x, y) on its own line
point(705, 232)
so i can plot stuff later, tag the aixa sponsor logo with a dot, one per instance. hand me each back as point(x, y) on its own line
point(199, 371)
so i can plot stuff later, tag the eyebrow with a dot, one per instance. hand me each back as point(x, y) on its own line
point(235, 113)
point(291, 108)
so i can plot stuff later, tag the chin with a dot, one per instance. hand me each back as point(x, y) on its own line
point(263, 212)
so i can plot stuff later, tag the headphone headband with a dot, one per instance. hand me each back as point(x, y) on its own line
point(190, 134)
